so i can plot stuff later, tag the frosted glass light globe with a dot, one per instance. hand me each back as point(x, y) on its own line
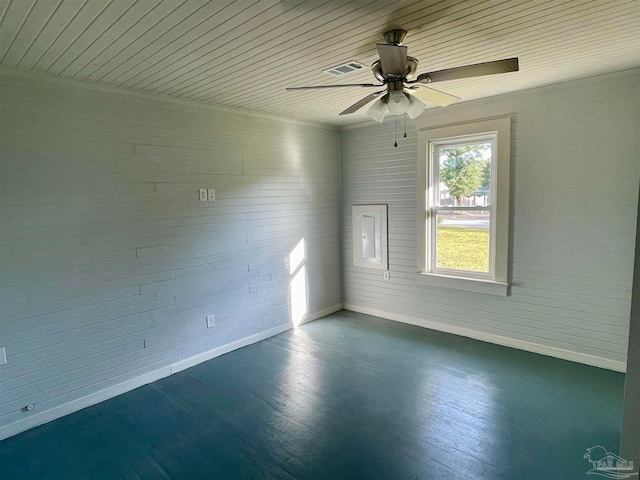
point(398, 102)
point(378, 110)
point(415, 107)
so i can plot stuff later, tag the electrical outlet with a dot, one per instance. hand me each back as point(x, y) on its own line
point(212, 194)
point(3, 356)
point(211, 321)
point(386, 275)
point(203, 194)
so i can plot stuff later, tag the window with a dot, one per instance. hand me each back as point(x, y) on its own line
point(464, 192)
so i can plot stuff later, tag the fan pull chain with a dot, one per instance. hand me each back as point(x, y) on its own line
point(405, 125)
point(395, 131)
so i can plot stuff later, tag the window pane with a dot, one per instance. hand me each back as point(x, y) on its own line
point(465, 175)
point(462, 240)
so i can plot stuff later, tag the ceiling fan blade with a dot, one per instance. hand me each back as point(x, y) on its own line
point(393, 59)
point(431, 95)
point(477, 70)
point(362, 102)
point(291, 89)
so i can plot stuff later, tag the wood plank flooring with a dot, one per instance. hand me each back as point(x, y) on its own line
point(346, 397)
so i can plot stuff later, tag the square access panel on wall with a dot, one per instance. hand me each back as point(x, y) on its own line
point(370, 236)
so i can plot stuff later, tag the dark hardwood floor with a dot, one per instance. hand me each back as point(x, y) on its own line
point(346, 397)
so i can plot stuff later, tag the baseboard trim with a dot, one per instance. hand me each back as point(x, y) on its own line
point(54, 413)
point(322, 313)
point(216, 352)
point(497, 339)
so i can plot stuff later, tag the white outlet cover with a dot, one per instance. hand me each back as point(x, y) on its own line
point(3, 356)
point(212, 194)
point(203, 194)
point(211, 321)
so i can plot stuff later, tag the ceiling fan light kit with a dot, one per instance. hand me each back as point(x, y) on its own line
point(400, 94)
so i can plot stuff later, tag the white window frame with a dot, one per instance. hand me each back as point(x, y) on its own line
point(495, 282)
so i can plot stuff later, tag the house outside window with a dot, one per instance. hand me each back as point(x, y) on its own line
point(463, 222)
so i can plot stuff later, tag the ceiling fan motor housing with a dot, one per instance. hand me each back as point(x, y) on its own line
point(412, 67)
point(395, 37)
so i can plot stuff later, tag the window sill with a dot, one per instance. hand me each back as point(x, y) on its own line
point(465, 284)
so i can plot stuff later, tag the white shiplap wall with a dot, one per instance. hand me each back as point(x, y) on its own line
point(575, 165)
point(109, 262)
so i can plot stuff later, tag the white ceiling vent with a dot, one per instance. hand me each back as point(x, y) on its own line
point(345, 69)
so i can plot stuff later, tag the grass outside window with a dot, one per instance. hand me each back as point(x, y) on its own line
point(463, 248)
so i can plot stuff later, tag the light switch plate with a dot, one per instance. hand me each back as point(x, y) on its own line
point(211, 321)
point(203, 194)
point(212, 194)
point(3, 356)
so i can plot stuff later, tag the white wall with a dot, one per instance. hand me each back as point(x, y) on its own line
point(110, 263)
point(630, 435)
point(574, 191)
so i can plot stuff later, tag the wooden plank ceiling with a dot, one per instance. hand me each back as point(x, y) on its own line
point(243, 53)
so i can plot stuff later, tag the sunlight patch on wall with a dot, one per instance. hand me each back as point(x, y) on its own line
point(296, 257)
point(298, 291)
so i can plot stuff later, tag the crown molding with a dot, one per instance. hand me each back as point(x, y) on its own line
point(502, 96)
point(158, 97)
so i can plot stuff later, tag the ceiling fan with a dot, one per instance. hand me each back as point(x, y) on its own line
point(401, 94)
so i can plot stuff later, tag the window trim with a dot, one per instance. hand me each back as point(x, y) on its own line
point(497, 283)
point(435, 208)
